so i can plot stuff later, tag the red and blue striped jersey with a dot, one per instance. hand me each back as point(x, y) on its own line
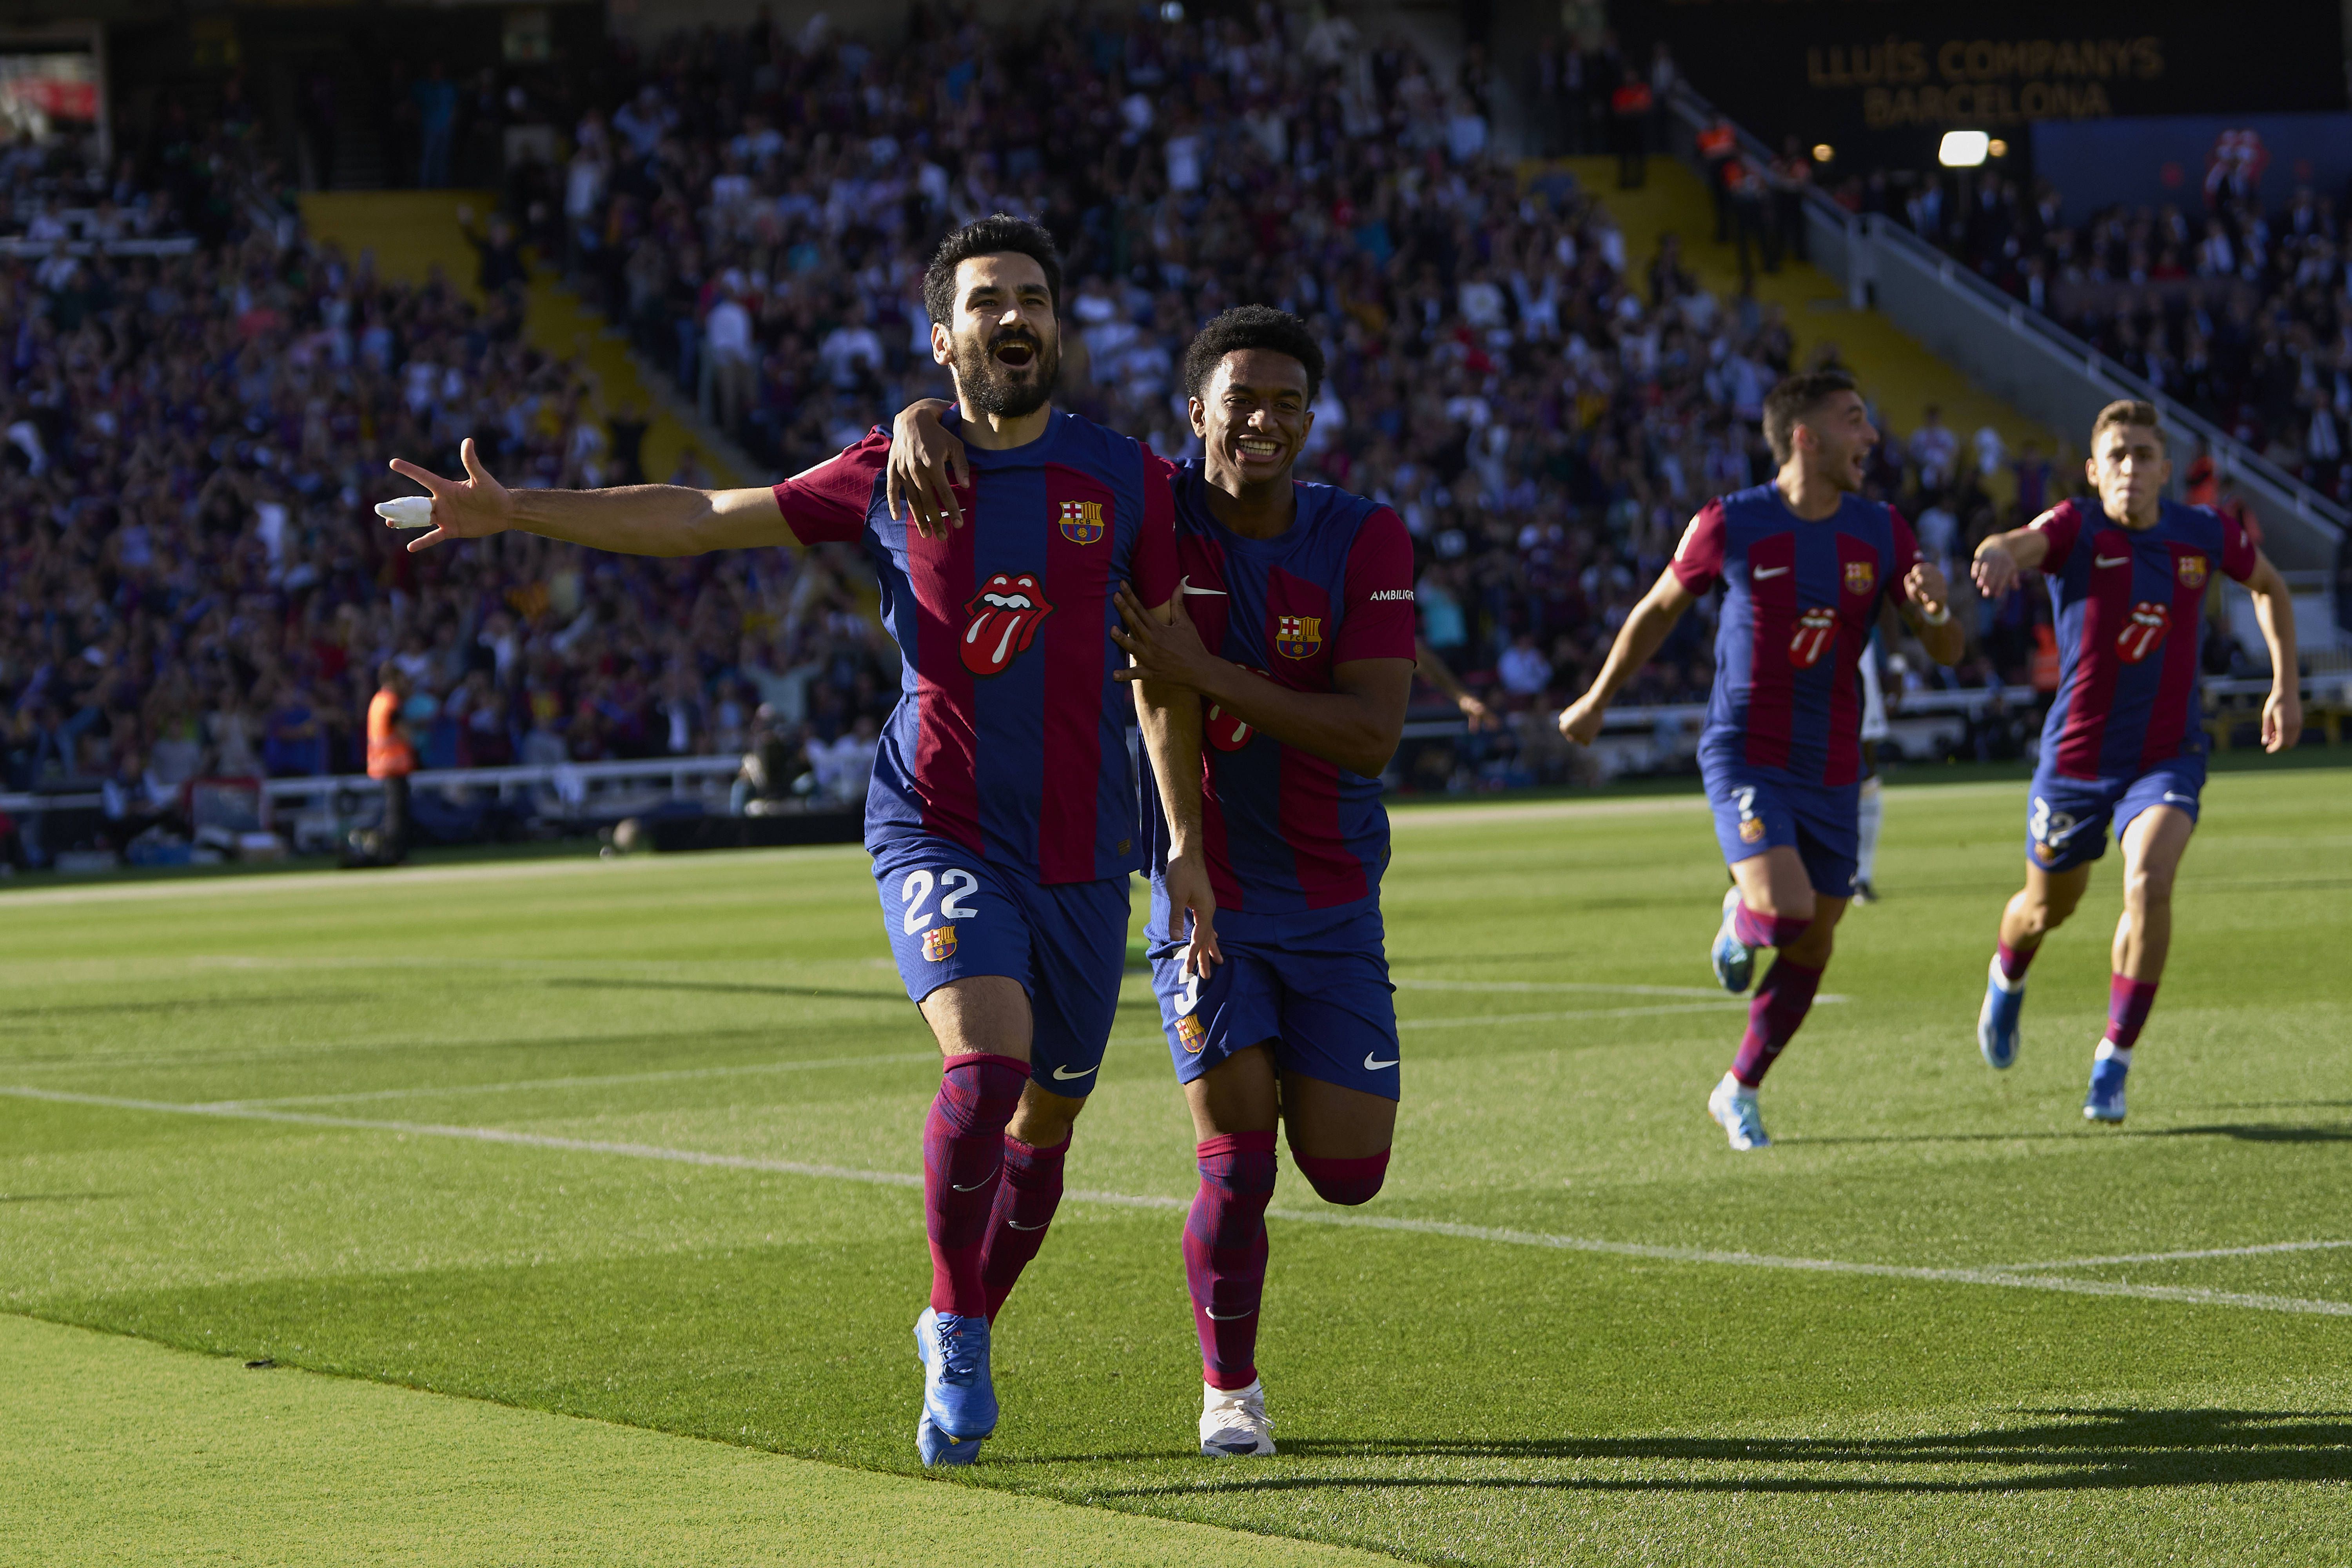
point(2131, 633)
point(1010, 735)
point(1799, 602)
point(1283, 831)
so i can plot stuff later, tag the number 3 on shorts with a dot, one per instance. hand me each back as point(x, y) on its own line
point(955, 885)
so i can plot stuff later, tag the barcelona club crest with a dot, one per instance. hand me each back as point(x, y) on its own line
point(1189, 1034)
point(1298, 636)
point(1861, 576)
point(939, 944)
point(1082, 522)
point(2190, 570)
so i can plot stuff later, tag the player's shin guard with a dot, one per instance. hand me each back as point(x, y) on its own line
point(1224, 1253)
point(963, 1157)
point(1347, 1181)
point(1773, 1018)
point(1767, 931)
point(2128, 1001)
point(1025, 1201)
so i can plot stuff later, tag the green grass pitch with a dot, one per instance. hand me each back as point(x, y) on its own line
point(623, 1154)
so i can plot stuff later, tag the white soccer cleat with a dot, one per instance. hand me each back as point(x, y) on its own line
point(1234, 1422)
point(1733, 1103)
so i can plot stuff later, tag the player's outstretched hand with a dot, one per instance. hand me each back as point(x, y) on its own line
point(1189, 893)
point(1580, 720)
point(1924, 586)
point(1166, 653)
point(927, 464)
point(2282, 717)
point(1995, 570)
point(472, 508)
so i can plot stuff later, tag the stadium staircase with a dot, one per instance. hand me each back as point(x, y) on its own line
point(411, 233)
point(1899, 376)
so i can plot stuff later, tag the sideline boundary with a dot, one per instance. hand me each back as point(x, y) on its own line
point(2005, 1277)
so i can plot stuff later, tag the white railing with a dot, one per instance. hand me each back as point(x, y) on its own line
point(569, 782)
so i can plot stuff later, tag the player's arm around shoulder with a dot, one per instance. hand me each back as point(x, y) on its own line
point(928, 465)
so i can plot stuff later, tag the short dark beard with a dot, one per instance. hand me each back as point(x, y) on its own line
point(986, 383)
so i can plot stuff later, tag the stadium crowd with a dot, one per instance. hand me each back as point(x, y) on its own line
point(2236, 301)
point(190, 583)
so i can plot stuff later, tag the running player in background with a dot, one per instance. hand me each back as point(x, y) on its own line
point(1002, 817)
point(1870, 805)
point(1805, 563)
point(1296, 630)
point(2122, 744)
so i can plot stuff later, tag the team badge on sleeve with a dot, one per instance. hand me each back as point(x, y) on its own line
point(1298, 636)
point(2190, 570)
point(1082, 522)
point(1816, 630)
point(1861, 576)
point(939, 942)
point(1005, 619)
point(2144, 633)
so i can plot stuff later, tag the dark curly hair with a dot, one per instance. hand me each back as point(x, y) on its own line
point(1792, 400)
point(998, 233)
point(1251, 326)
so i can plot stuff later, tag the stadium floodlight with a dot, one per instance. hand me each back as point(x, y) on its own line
point(1963, 149)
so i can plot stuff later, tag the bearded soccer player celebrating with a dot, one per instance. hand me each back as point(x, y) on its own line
point(2122, 744)
point(1002, 817)
point(1296, 632)
point(1805, 562)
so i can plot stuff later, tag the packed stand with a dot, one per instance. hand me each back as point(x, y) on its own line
point(2238, 307)
point(192, 585)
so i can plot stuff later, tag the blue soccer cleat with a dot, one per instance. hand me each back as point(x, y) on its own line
point(2105, 1101)
point(1997, 1020)
point(958, 1399)
point(1733, 1104)
point(1734, 960)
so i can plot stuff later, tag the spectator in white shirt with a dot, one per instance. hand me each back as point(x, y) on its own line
point(1523, 670)
point(728, 361)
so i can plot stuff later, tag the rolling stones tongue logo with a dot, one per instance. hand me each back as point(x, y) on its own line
point(1005, 615)
point(1816, 630)
point(2144, 633)
point(1224, 731)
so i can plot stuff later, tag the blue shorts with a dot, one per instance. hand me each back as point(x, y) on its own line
point(1754, 812)
point(1328, 1014)
point(951, 915)
point(2066, 819)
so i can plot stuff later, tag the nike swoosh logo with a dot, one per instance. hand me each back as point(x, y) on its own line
point(1066, 1073)
point(2183, 799)
point(1371, 1065)
point(1186, 584)
point(2112, 560)
point(1016, 1225)
point(1230, 1317)
point(974, 1188)
point(1763, 572)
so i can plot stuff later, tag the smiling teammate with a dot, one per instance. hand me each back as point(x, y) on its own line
point(1297, 631)
point(2121, 744)
point(1805, 563)
point(1003, 818)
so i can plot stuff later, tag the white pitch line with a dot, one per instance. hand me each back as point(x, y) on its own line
point(1583, 987)
point(589, 1081)
point(2181, 1256)
point(2186, 1295)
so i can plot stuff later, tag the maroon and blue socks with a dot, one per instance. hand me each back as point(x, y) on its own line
point(2014, 961)
point(1025, 1201)
point(2128, 1001)
point(1774, 1014)
point(1224, 1253)
point(1767, 931)
point(963, 1161)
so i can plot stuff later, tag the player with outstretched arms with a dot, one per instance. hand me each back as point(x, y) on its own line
point(1295, 631)
point(1003, 817)
point(2129, 575)
point(1805, 563)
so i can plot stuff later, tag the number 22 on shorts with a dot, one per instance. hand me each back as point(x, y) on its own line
point(955, 885)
